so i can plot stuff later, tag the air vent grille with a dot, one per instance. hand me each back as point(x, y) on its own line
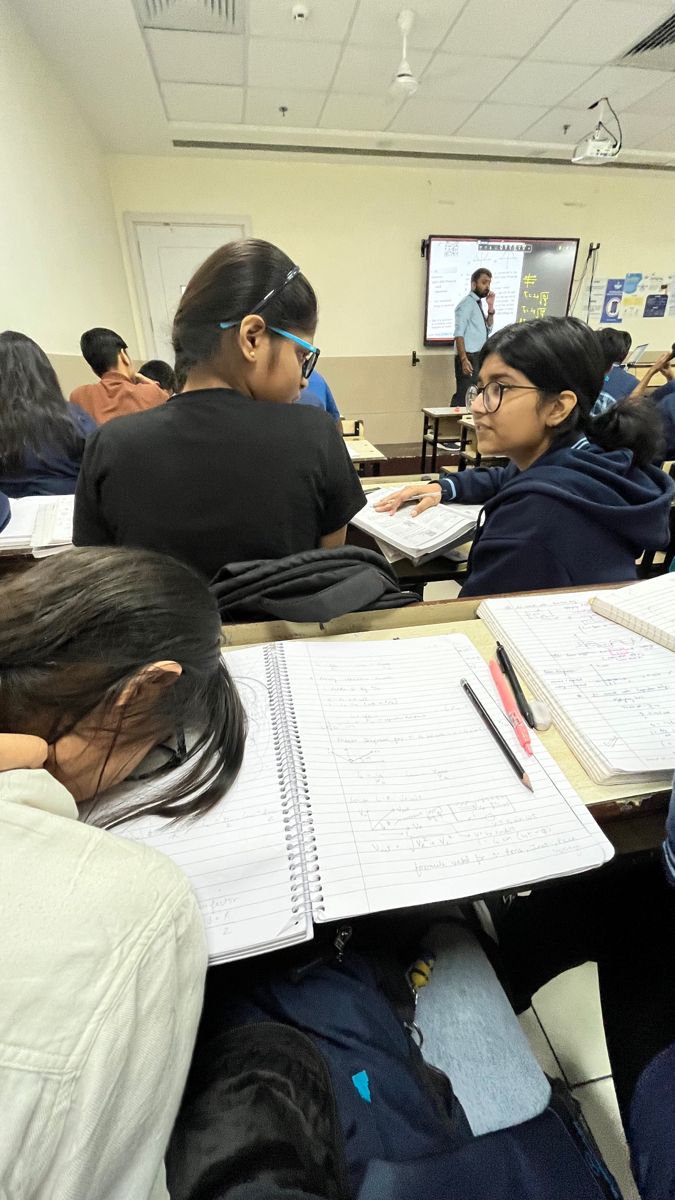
point(656, 50)
point(201, 16)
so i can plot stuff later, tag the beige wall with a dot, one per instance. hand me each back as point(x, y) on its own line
point(61, 264)
point(356, 231)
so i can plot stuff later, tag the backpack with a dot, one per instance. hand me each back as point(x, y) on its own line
point(315, 585)
point(308, 1084)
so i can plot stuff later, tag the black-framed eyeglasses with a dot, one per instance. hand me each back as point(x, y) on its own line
point(165, 757)
point(493, 393)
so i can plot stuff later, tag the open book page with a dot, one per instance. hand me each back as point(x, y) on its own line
point(612, 692)
point(411, 799)
point(18, 532)
point(53, 525)
point(647, 608)
point(237, 856)
point(438, 527)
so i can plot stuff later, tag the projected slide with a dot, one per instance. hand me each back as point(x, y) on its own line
point(531, 277)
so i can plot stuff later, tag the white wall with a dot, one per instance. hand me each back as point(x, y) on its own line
point(61, 264)
point(356, 229)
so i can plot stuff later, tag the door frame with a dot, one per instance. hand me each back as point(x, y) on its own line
point(131, 220)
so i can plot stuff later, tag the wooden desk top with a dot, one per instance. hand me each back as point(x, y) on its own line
point(428, 620)
point(360, 450)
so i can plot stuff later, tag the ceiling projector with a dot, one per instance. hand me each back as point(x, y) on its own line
point(601, 144)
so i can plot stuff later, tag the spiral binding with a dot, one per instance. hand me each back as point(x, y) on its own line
point(296, 804)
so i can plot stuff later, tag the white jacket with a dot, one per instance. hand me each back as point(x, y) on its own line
point(102, 965)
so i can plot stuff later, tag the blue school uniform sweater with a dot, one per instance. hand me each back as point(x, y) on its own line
point(578, 516)
point(5, 511)
point(50, 472)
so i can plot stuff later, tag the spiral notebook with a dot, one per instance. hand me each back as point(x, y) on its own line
point(369, 783)
point(610, 690)
point(648, 608)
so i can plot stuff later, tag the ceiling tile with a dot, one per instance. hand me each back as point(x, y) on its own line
point(540, 83)
point(376, 23)
point(262, 107)
point(596, 31)
point(513, 26)
point(182, 57)
point(308, 66)
point(369, 72)
point(501, 120)
point(359, 112)
point(455, 77)
point(550, 128)
point(431, 117)
point(662, 100)
point(662, 141)
point(637, 128)
point(203, 102)
point(328, 20)
point(624, 86)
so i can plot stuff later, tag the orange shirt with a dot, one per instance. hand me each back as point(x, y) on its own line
point(115, 396)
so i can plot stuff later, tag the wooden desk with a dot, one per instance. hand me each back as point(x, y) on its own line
point(362, 451)
point(468, 449)
point(431, 432)
point(608, 802)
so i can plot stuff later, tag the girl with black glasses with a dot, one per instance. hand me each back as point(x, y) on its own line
point(231, 469)
point(579, 500)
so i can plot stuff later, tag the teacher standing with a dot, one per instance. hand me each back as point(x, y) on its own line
point(473, 326)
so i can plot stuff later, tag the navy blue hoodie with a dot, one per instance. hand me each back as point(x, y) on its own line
point(578, 516)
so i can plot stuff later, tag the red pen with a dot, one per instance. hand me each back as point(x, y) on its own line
point(510, 707)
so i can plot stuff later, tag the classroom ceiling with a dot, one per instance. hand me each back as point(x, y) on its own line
point(510, 78)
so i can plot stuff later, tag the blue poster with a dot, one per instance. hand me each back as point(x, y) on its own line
point(655, 305)
point(611, 305)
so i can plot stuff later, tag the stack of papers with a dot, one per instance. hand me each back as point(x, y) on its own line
point(418, 538)
point(647, 608)
point(38, 525)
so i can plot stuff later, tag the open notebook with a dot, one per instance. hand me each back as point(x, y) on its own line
point(369, 783)
point(417, 538)
point(38, 525)
point(647, 608)
point(611, 691)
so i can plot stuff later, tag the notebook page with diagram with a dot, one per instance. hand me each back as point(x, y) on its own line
point(648, 608)
point(611, 691)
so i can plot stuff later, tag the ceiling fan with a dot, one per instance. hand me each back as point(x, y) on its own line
point(404, 82)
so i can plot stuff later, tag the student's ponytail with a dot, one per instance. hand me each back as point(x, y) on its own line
point(560, 354)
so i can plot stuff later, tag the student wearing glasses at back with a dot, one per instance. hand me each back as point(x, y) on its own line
point(231, 469)
point(579, 500)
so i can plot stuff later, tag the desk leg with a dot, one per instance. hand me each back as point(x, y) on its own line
point(376, 467)
point(423, 456)
point(463, 439)
point(434, 444)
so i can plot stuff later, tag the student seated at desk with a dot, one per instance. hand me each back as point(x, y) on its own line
point(230, 470)
point(41, 436)
point(580, 500)
point(618, 383)
point(662, 398)
point(104, 655)
point(317, 393)
point(121, 390)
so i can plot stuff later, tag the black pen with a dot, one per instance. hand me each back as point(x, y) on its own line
point(507, 667)
point(490, 725)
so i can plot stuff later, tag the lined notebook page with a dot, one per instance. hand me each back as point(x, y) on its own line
point(417, 536)
point(236, 856)
point(612, 692)
point(647, 608)
point(53, 525)
point(411, 800)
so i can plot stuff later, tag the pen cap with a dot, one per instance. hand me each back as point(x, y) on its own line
point(541, 714)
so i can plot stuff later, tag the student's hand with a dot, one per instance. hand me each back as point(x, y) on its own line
point(429, 493)
point(467, 368)
point(491, 303)
point(22, 751)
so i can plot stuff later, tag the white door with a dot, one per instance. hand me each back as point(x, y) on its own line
point(168, 253)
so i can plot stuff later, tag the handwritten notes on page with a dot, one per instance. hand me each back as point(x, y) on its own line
point(238, 857)
point(417, 537)
point(647, 608)
point(411, 800)
point(611, 691)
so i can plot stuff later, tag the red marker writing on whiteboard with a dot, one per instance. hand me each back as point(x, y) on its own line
point(510, 707)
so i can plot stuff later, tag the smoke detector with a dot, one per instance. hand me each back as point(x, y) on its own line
point(404, 82)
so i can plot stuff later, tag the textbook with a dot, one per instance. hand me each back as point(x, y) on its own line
point(610, 690)
point(647, 608)
point(369, 783)
point(38, 525)
point(418, 538)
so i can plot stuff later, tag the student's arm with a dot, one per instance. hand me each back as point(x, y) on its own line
point(660, 367)
point(465, 487)
point(461, 315)
point(330, 540)
point(89, 525)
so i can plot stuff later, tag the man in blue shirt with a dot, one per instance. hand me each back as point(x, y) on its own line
point(473, 326)
point(317, 393)
point(618, 383)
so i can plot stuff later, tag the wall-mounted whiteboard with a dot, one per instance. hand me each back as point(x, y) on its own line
point(531, 277)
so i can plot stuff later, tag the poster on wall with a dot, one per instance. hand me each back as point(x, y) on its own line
point(629, 298)
point(611, 305)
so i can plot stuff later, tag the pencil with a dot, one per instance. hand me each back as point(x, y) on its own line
point(507, 667)
point(503, 745)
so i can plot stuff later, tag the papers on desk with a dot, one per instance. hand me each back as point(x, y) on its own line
point(417, 538)
point(610, 690)
point(38, 525)
point(648, 608)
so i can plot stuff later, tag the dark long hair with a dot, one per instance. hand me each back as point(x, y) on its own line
point(75, 629)
point(232, 281)
point(562, 354)
point(34, 413)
